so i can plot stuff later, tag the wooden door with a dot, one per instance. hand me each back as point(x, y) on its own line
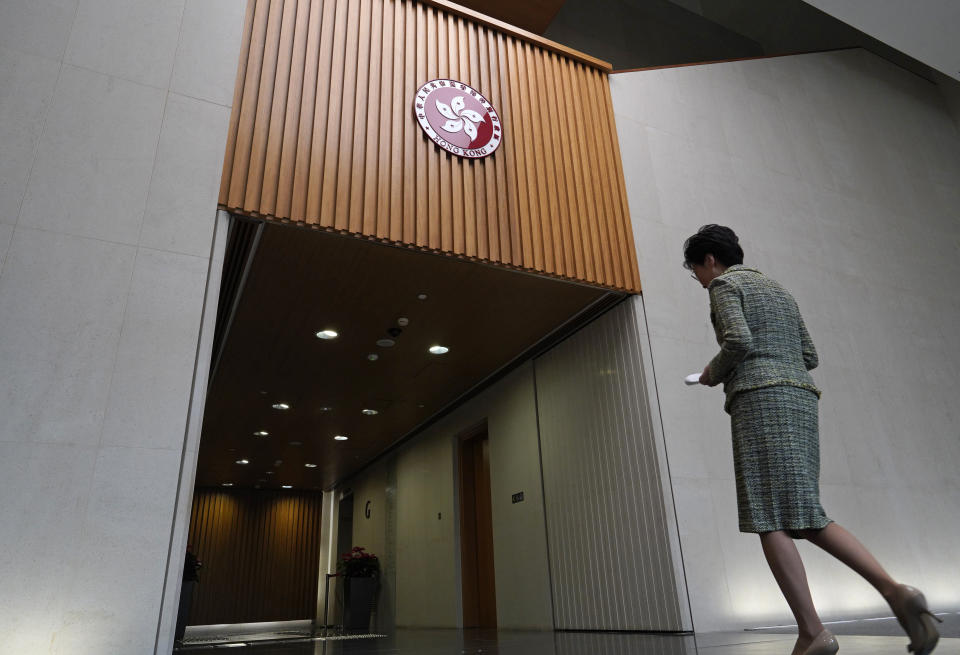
point(476, 534)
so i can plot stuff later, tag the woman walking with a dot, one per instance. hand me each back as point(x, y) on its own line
point(764, 362)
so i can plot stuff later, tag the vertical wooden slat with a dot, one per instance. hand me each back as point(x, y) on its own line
point(238, 94)
point(261, 124)
point(295, 86)
point(432, 237)
point(572, 236)
point(308, 175)
point(563, 246)
point(384, 211)
point(477, 218)
point(353, 72)
point(334, 117)
point(361, 108)
point(415, 21)
point(278, 110)
point(248, 106)
point(397, 172)
point(424, 163)
point(549, 226)
point(488, 239)
point(455, 47)
point(467, 52)
point(591, 177)
point(508, 206)
point(522, 155)
point(601, 190)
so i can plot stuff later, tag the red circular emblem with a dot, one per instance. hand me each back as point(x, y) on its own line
point(458, 118)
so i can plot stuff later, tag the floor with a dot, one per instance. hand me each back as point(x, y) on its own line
point(856, 638)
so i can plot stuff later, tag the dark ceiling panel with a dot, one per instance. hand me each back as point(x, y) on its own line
point(530, 15)
point(303, 281)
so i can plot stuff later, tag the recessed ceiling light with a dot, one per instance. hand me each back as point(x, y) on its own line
point(327, 334)
point(281, 406)
point(262, 480)
point(287, 486)
point(227, 484)
point(340, 437)
point(403, 321)
point(386, 343)
point(243, 461)
point(268, 472)
point(326, 409)
point(370, 412)
point(296, 443)
point(422, 296)
point(373, 357)
point(261, 433)
point(311, 466)
point(439, 350)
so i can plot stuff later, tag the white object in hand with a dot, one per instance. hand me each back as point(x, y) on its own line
point(693, 378)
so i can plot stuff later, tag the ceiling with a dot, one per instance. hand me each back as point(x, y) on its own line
point(531, 15)
point(302, 281)
point(634, 34)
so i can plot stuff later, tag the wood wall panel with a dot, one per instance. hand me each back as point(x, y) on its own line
point(323, 134)
point(261, 554)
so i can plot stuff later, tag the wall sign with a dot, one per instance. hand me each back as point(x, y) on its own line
point(458, 118)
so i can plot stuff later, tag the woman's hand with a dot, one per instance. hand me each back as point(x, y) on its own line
point(705, 376)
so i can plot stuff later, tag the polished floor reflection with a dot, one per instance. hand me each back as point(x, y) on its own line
point(479, 642)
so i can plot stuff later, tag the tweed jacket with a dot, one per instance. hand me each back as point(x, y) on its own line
point(763, 340)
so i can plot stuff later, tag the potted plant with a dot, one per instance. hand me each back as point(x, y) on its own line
point(361, 573)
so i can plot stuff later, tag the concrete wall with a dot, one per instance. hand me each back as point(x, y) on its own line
point(425, 554)
point(113, 118)
point(839, 171)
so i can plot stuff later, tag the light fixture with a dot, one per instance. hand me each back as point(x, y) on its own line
point(287, 486)
point(268, 472)
point(373, 357)
point(261, 433)
point(227, 484)
point(326, 409)
point(439, 350)
point(422, 296)
point(340, 437)
point(370, 412)
point(386, 343)
point(311, 466)
point(281, 406)
point(296, 443)
point(327, 334)
point(243, 461)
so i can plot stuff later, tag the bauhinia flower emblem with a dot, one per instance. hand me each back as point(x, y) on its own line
point(459, 118)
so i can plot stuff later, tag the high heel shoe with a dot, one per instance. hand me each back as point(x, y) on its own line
point(823, 644)
point(910, 606)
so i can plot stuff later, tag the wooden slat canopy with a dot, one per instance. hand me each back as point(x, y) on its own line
point(323, 133)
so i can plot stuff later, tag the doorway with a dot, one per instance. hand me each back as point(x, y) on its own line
point(476, 532)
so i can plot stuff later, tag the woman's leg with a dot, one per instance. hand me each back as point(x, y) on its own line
point(844, 546)
point(787, 567)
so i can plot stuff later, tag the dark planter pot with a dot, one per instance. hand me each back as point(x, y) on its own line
point(359, 598)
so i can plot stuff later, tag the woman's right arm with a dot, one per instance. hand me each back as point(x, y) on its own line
point(736, 340)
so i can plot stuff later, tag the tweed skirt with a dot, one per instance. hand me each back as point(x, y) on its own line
point(776, 457)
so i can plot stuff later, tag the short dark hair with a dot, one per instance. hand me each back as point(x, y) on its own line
point(716, 240)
